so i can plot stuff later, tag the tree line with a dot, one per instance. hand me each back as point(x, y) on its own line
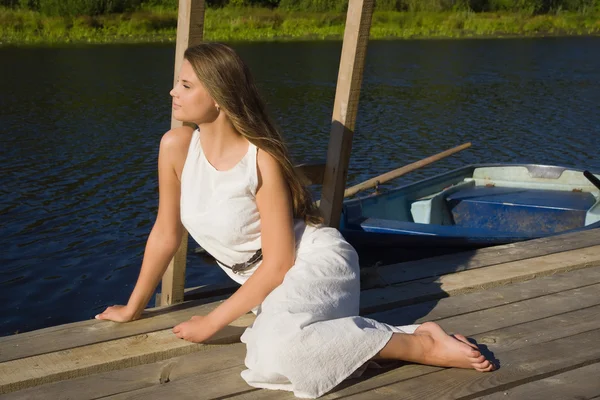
point(99, 7)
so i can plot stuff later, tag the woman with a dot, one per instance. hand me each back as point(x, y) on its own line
point(233, 187)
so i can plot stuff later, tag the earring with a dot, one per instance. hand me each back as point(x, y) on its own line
point(218, 108)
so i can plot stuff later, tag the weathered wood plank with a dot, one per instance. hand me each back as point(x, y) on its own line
point(477, 279)
point(468, 303)
point(437, 266)
point(507, 343)
point(475, 323)
point(345, 108)
point(578, 384)
point(214, 385)
point(89, 332)
point(518, 367)
point(511, 338)
point(479, 322)
point(84, 333)
point(125, 380)
point(100, 357)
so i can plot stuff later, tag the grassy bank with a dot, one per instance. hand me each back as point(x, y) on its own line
point(232, 24)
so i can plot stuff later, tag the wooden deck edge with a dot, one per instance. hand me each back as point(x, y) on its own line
point(478, 279)
point(101, 357)
point(448, 264)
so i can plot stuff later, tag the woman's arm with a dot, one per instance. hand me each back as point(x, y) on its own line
point(274, 203)
point(166, 234)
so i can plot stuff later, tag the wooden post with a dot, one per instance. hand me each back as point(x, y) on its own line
point(190, 27)
point(354, 48)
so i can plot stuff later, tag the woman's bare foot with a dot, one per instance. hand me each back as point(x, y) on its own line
point(451, 351)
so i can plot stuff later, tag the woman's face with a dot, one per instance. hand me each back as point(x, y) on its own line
point(191, 101)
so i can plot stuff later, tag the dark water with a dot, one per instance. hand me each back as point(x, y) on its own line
point(80, 129)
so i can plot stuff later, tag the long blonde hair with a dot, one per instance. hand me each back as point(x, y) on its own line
point(229, 82)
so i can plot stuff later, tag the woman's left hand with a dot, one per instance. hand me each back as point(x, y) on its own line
point(197, 329)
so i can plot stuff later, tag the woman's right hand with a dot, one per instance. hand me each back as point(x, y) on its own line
point(118, 314)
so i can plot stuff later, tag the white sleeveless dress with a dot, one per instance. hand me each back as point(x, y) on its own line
point(307, 336)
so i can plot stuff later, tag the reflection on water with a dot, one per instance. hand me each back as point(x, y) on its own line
point(81, 127)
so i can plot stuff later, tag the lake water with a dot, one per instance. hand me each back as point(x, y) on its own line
point(80, 128)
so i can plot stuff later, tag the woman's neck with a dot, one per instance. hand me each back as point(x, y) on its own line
point(221, 143)
point(219, 135)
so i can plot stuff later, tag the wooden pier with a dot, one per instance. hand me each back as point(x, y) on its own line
point(534, 307)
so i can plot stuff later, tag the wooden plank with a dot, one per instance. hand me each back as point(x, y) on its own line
point(99, 357)
point(459, 305)
point(84, 333)
point(481, 321)
point(437, 266)
point(478, 279)
point(93, 331)
point(214, 385)
point(125, 380)
point(354, 49)
point(173, 281)
point(580, 383)
point(190, 28)
point(510, 340)
point(518, 367)
point(511, 320)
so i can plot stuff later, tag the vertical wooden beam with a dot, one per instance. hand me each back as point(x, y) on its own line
point(354, 49)
point(190, 29)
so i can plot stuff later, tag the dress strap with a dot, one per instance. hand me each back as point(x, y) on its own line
point(253, 167)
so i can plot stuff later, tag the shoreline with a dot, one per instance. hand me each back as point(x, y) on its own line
point(26, 28)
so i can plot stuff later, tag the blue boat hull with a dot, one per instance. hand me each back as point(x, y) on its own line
point(472, 207)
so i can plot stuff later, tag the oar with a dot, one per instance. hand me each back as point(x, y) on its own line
point(592, 178)
point(371, 183)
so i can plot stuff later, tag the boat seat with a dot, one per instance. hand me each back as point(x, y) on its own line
point(518, 209)
point(435, 210)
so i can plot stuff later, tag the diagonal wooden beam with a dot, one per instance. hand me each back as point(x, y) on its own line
point(354, 49)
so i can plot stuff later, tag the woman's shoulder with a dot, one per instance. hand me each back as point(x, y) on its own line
point(268, 168)
point(174, 147)
point(177, 139)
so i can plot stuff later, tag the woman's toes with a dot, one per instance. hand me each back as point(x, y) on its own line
point(465, 340)
point(477, 360)
point(482, 366)
point(474, 354)
point(489, 368)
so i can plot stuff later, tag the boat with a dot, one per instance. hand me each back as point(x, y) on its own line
point(473, 207)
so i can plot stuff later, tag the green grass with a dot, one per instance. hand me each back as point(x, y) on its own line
point(248, 24)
